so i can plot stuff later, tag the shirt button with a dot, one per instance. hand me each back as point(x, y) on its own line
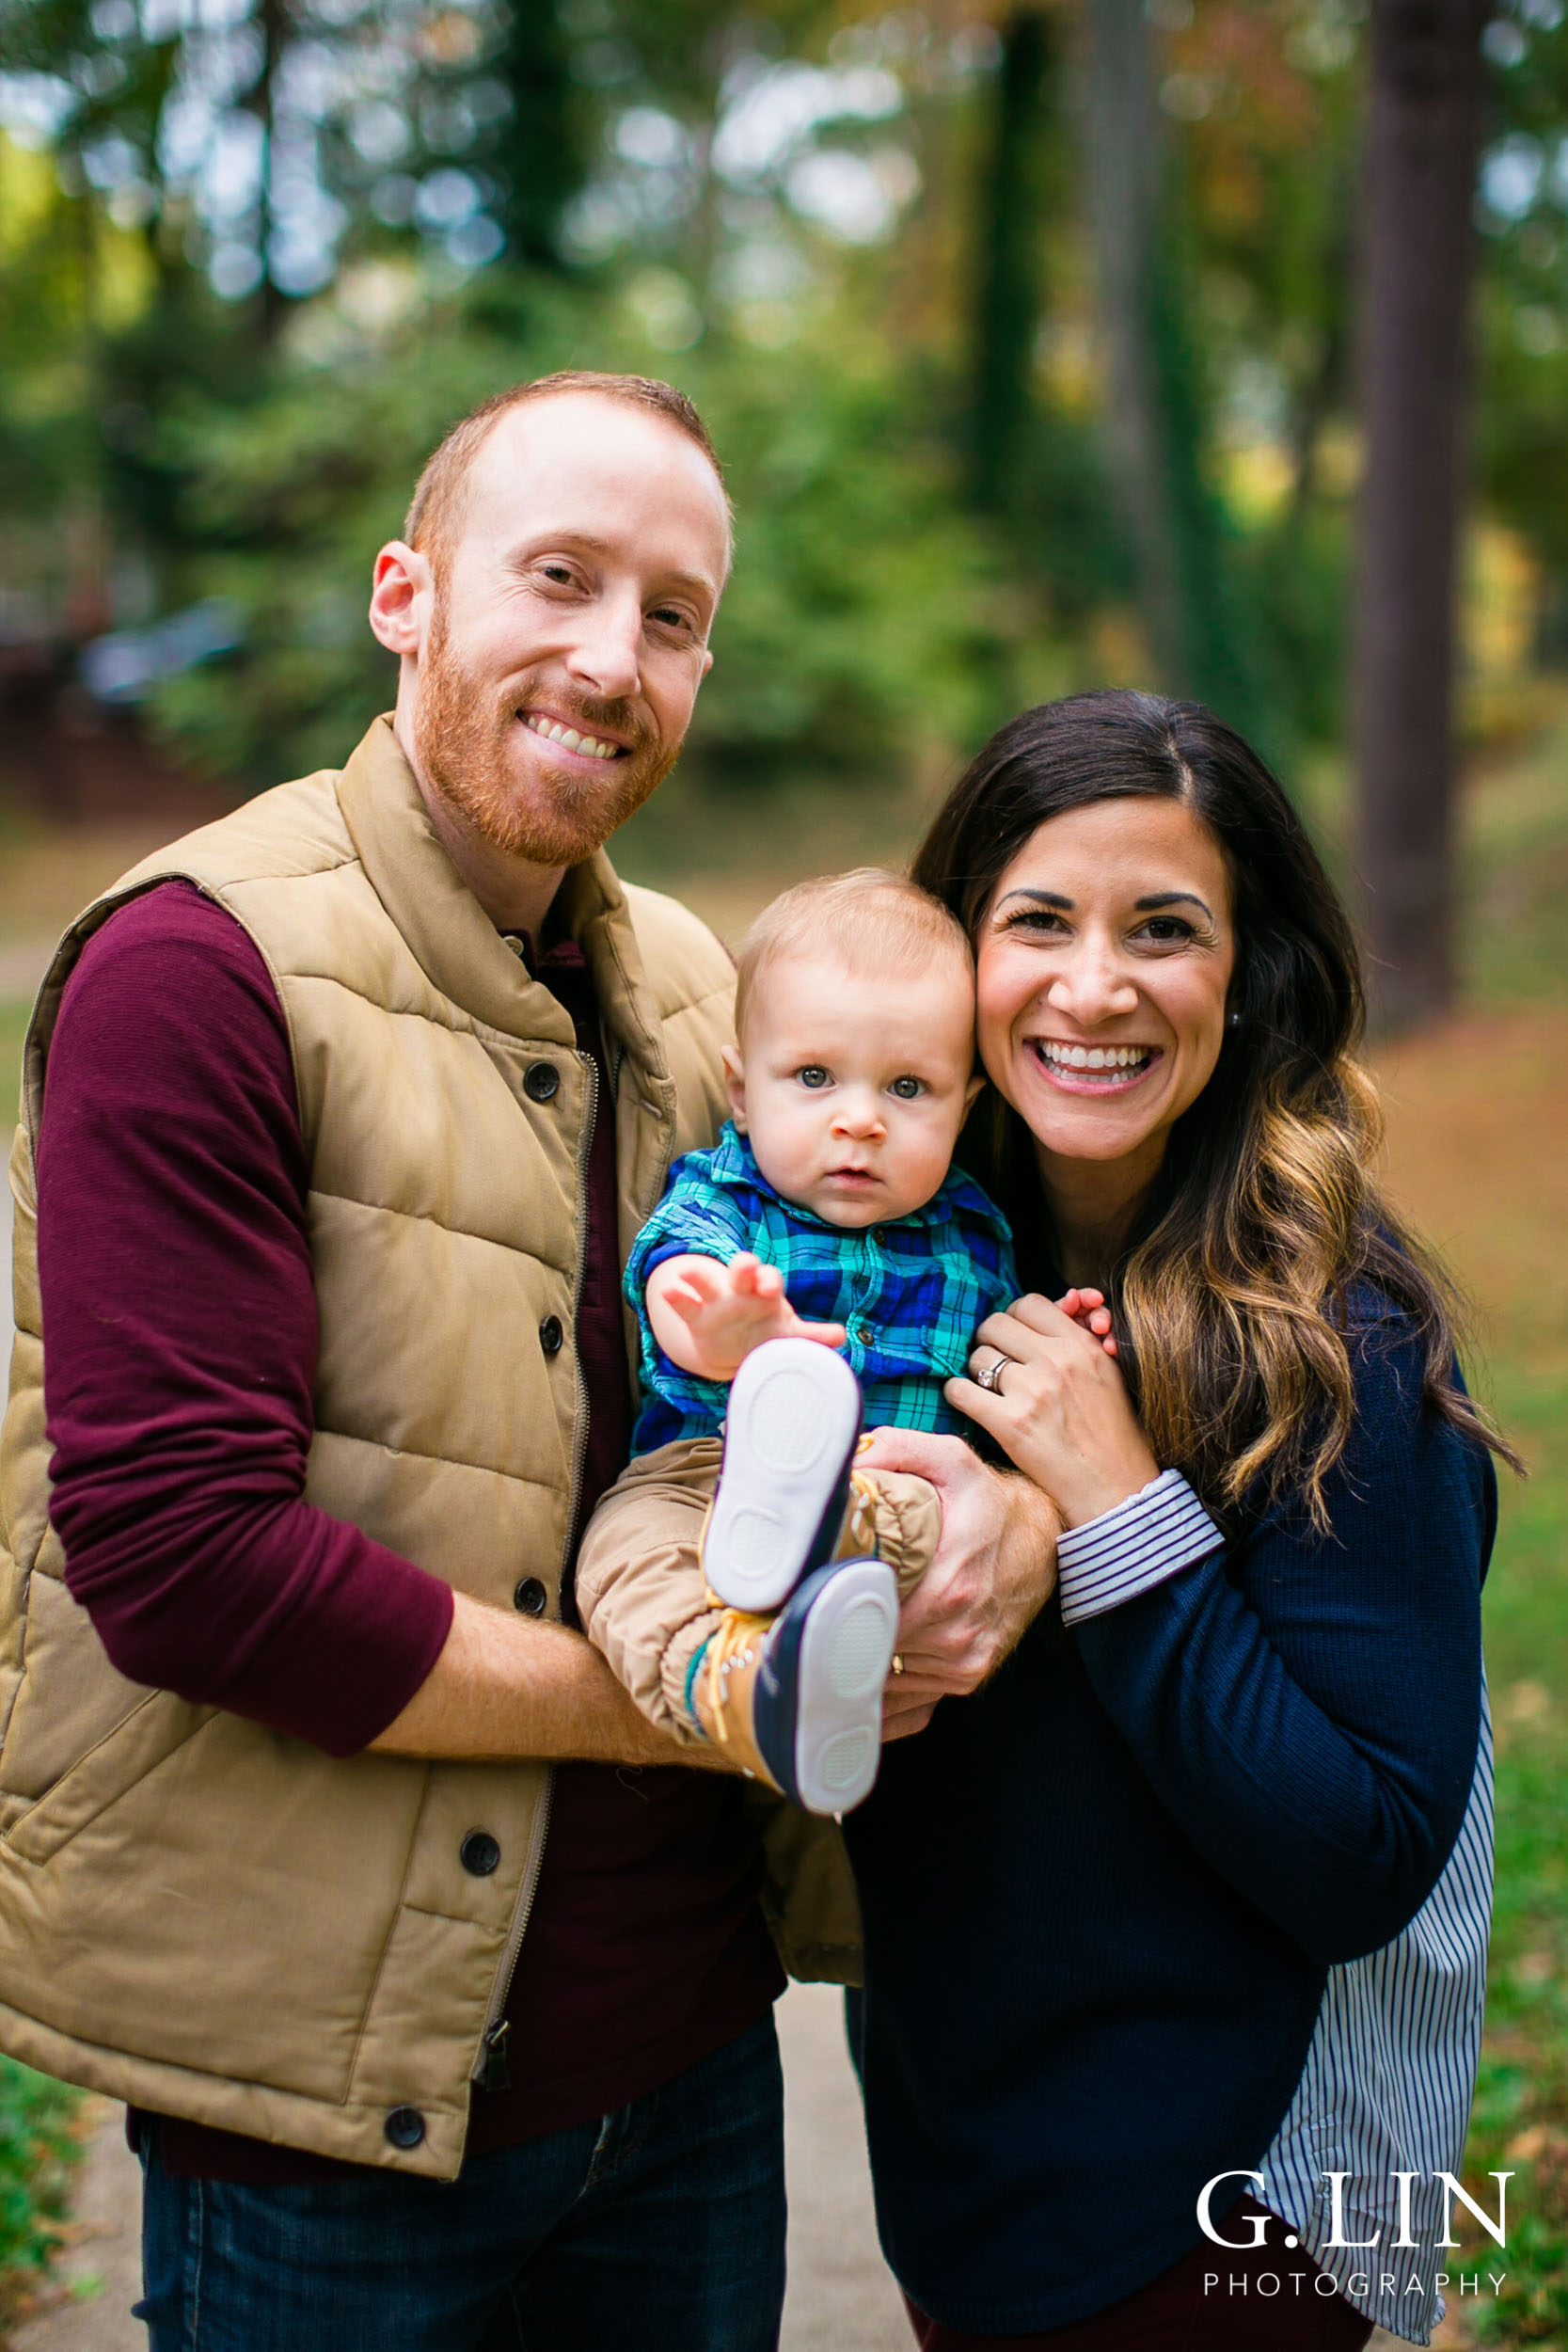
point(478, 1853)
point(531, 1598)
point(405, 2127)
point(551, 1334)
point(541, 1081)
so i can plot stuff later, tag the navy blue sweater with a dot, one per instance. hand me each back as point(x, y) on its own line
point(1102, 1895)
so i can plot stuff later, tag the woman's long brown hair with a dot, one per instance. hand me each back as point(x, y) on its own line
point(1232, 1296)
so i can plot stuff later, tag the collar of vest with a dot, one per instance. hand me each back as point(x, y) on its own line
point(454, 941)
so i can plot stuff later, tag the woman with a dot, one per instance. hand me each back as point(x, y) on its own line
point(1191, 1901)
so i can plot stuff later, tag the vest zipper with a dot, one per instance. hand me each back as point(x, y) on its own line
point(493, 2072)
point(580, 1435)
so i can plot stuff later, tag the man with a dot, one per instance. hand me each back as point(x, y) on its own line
point(339, 1118)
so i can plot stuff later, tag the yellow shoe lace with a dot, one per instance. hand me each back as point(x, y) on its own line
point(859, 1517)
point(729, 1647)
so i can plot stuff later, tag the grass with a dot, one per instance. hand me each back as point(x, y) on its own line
point(1520, 2122)
point(38, 2149)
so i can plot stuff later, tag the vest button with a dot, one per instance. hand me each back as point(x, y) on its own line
point(531, 1598)
point(478, 1855)
point(541, 1081)
point(405, 2127)
point(551, 1334)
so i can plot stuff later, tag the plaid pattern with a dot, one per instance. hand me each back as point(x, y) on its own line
point(911, 1293)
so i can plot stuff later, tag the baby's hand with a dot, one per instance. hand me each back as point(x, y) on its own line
point(1089, 1311)
point(708, 1317)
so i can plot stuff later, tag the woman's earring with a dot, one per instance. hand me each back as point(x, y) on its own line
point(1232, 1020)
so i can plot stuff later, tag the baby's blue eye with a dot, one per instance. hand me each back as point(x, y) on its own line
point(813, 1075)
point(906, 1088)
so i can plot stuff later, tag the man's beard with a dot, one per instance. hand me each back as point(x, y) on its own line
point(551, 817)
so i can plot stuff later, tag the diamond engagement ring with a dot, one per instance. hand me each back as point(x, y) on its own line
point(990, 1376)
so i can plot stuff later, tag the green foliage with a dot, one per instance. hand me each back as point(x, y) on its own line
point(1291, 582)
point(1514, 879)
point(860, 622)
point(862, 619)
point(38, 2154)
point(527, 185)
point(1524, 341)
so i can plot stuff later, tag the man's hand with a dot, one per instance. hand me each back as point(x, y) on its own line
point(511, 1687)
point(995, 1570)
point(707, 1317)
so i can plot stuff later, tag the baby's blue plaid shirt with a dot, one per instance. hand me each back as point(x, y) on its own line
point(911, 1293)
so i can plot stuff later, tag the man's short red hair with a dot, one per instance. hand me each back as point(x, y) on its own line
point(435, 517)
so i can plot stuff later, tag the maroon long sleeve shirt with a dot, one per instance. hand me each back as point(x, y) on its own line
point(180, 1316)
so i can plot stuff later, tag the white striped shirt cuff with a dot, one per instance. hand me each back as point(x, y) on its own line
point(1152, 1535)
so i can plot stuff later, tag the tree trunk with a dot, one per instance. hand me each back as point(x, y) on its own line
point(1197, 633)
point(1125, 179)
point(1418, 264)
point(1008, 273)
point(272, 304)
point(544, 156)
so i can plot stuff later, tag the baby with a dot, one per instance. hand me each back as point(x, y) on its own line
point(745, 1586)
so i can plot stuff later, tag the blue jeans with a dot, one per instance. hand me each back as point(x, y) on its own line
point(662, 2228)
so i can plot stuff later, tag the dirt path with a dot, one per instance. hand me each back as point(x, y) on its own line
point(841, 2297)
point(1477, 1156)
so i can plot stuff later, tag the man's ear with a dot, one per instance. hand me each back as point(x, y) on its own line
point(399, 597)
point(734, 1085)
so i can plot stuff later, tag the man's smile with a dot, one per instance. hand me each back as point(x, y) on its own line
point(567, 738)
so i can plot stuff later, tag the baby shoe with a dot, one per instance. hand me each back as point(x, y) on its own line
point(797, 1699)
point(790, 1433)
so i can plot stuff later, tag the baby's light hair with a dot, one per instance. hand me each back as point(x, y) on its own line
point(870, 918)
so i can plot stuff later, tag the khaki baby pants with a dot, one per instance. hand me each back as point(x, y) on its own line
point(640, 1591)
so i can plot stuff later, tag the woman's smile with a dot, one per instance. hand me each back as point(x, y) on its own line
point(1104, 960)
point(1078, 1067)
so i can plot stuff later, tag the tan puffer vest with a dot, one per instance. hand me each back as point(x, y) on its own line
point(200, 1916)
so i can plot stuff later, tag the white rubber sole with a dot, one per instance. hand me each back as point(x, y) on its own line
point(845, 1650)
point(793, 1418)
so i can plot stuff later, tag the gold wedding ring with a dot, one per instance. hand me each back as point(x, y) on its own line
point(898, 1663)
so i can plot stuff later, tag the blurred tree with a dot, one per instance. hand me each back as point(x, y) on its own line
point(1522, 452)
point(859, 630)
point(267, 143)
point(1422, 142)
point(1155, 418)
point(220, 226)
point(543, 158)
point(1008, 272)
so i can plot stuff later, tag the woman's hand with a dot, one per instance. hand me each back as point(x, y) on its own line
point(995, 1568)
point(1059, 1408)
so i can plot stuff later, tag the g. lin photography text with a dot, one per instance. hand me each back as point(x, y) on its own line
point(1358, 2285)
